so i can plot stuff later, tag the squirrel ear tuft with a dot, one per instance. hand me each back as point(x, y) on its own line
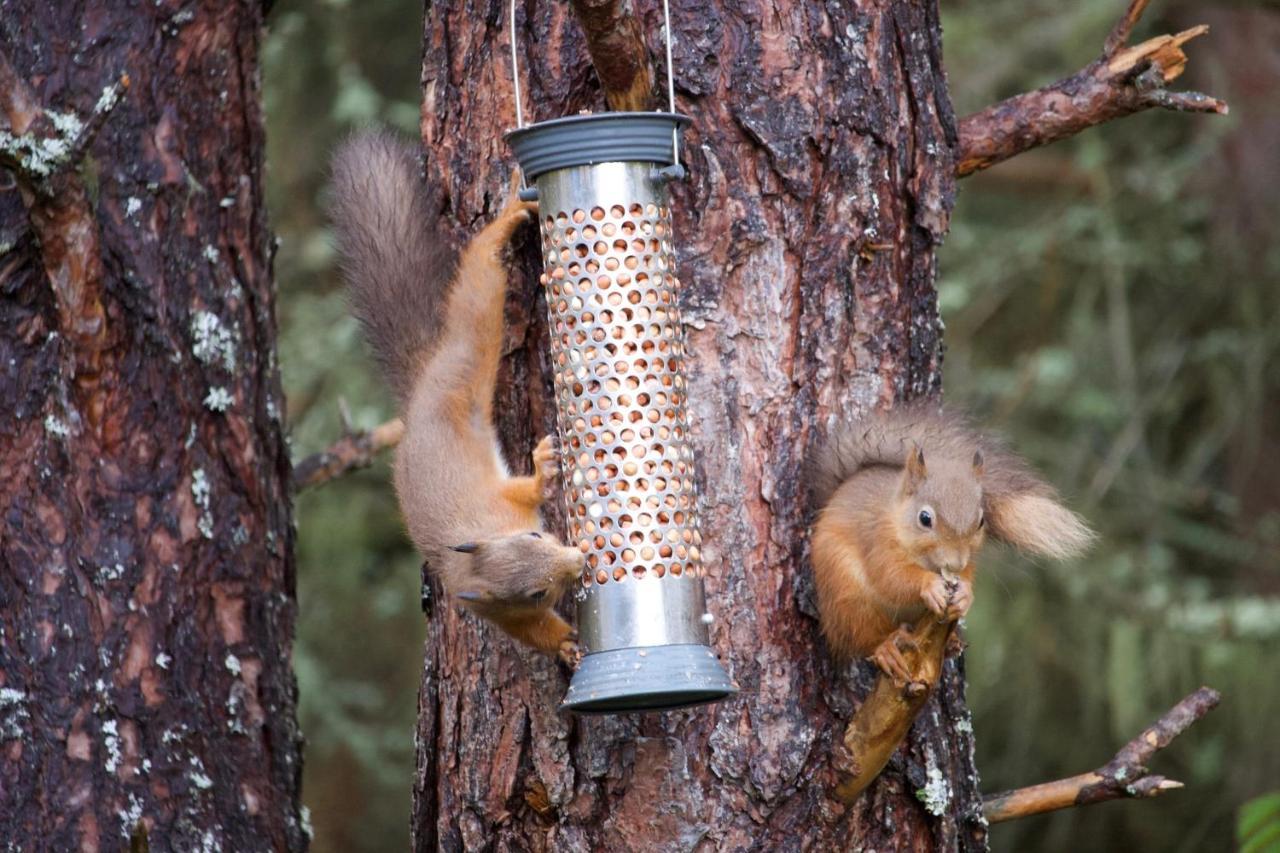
point(915, 470)
point(978, 463)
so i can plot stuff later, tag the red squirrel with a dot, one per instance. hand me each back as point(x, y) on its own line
point(436, 328)
point(908, 497)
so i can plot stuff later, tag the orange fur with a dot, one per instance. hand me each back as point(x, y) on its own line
point(877, 565)
point(477, 526)
point(869, 581)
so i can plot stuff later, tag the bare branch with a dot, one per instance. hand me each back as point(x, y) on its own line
point(353, 451)
point(107, 101)
point(616, 43)
point(1125, 776)
point(1123, 81)
point(885, 717)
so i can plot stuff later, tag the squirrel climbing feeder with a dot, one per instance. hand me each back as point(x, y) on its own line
point(618, 356)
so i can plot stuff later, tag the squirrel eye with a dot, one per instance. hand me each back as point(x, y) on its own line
point(535, 534)
point(538, 595)
point(982, 521)
point(926, 518)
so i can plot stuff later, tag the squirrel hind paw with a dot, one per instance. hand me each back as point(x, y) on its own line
point(522, 211)
point(570, 653)
point(889, 658)
point(548, 450)
point(546, 465)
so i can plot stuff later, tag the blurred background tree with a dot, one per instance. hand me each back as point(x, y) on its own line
point(1112, 305)
point(329, 67)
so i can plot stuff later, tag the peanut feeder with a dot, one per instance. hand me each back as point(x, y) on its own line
point(618, 355)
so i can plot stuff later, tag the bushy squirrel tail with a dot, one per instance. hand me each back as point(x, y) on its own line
point(397, 269)
point(1022, 510)
point(882, 439)
point(1034, 520)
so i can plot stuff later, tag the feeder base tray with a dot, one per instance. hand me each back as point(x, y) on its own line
point(652, 678)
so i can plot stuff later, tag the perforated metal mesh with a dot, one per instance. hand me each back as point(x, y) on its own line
point(618, 355)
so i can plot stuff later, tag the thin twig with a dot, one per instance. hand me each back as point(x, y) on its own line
point(1122, 81)
point(1120, 33)
point(97, 118)
point(353, 451)
point(1125, 776)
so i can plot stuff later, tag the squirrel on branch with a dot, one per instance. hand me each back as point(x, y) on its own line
point(436, 328)
point(907, 498)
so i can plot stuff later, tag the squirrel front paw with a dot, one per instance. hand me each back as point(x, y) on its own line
point(950, 599)
point(497, 234)
point(961, 600)
point(546, 466)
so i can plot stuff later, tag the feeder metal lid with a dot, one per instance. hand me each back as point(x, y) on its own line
point(652, 678)
point(562, 143)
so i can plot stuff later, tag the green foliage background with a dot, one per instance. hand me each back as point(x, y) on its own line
point(1111, 304)
point(331, 66)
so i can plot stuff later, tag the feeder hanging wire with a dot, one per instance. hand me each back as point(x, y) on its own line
point(671, 84)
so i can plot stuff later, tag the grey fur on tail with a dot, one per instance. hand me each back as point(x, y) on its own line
point(882, 439)
point(396, 266)
point(1022, 509)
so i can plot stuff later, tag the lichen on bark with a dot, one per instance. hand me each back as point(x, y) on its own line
point(146, 536)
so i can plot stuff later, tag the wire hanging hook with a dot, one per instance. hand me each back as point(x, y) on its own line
point(515, 68)
point(671, 84)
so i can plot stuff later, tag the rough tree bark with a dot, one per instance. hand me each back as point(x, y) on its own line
point(822, 174)
point(146, 568)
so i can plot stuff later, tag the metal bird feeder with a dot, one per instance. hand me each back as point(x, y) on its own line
point(618, 353)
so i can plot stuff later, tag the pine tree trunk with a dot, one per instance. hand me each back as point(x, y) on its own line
point(146, 567)
point(821, 183)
